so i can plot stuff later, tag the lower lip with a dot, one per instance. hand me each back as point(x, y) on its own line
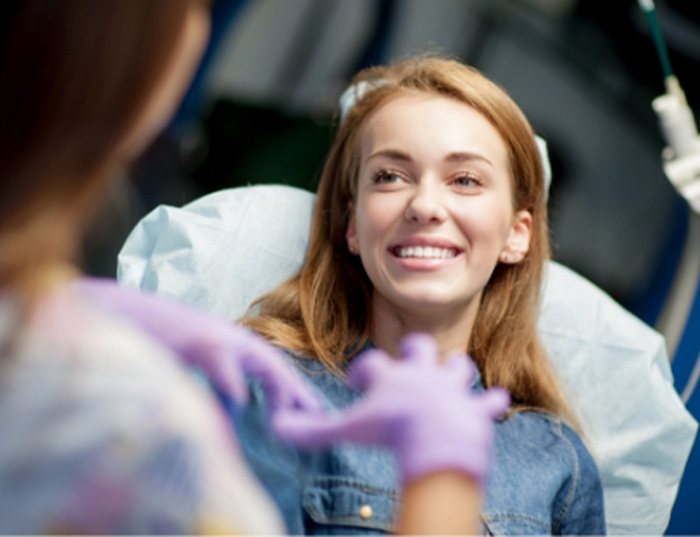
point(424, 264)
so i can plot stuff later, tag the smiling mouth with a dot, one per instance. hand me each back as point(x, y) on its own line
point(424, 252)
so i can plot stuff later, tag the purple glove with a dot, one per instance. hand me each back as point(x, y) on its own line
point(421, 409)
point(221, 349)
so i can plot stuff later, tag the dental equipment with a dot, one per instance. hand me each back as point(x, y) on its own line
point(682, 155)
point(681, 164)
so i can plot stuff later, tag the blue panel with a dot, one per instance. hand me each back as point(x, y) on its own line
point(685, 518)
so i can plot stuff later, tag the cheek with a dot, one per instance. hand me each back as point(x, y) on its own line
point(486, 223)
point(374, 217)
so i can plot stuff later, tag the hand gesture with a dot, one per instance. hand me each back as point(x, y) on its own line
point(423, 410)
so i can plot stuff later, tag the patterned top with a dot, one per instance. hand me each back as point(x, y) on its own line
point(102, 432)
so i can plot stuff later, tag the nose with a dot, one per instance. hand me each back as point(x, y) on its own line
point(426, 205)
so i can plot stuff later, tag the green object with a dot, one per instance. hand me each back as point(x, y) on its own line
point(653, 22)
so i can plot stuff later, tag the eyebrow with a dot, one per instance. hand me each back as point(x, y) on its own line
point(456, 156)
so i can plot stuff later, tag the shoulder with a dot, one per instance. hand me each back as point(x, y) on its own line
point(548, 439)
point(543, 476)
point(542, 430)
point(94, 407)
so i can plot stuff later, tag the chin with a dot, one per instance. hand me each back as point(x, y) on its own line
point(430, 302)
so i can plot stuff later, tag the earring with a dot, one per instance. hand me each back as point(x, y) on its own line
point(352, 248)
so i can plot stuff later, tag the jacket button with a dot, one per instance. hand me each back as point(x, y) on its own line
point(365, 512)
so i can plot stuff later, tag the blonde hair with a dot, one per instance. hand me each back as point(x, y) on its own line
point(324, 311)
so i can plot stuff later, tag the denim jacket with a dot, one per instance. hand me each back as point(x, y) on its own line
point(543, 480)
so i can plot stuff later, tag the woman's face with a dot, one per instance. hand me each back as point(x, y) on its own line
point(434, 212)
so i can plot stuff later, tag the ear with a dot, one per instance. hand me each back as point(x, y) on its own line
point(351, 235)
point(518, 242)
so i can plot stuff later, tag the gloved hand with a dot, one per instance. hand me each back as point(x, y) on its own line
point(421, 409)
point(224, 351)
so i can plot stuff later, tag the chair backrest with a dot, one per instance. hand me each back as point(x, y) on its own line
point(222, 251)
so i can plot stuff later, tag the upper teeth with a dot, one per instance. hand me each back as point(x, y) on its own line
point(425, 252)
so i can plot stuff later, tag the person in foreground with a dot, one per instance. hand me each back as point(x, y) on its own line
point(430, 217)
point(105, 428)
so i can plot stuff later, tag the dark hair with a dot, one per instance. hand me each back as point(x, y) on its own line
point(76, 75)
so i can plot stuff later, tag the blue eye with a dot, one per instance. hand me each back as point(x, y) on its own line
point(466, 180)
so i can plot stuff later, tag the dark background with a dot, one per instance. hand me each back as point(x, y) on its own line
point(262, 111)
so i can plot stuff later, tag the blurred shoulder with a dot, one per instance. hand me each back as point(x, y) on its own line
point(96, 412)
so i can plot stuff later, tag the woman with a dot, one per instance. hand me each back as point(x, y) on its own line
point(430, 216)
point(103, 432)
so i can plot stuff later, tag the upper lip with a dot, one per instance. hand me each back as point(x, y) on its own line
point(435, 242)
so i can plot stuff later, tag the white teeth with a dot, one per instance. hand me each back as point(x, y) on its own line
point(425, 252)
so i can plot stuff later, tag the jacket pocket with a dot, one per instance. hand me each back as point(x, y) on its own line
point(337, 505)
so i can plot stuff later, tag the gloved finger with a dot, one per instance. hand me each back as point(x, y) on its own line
point(313, 431)
point(291, 393)
point(302, 397)
point(495, 401)
point(251, 349)
point(304, 430)
point(461, 369)
point(419, 348)
point(366, 367)
point(283, 385)
point(228, 377)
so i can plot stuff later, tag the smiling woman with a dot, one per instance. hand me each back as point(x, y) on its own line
point(430, 216)
point(433, 216)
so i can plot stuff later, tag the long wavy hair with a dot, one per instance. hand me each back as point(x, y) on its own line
point(324, 311)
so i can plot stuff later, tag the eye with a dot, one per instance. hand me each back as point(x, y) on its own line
point(387, 177)
point(466, 181)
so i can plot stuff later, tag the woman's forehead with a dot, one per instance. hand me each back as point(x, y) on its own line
point(428, 124)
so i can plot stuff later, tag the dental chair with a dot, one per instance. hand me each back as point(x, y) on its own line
point(225, 249)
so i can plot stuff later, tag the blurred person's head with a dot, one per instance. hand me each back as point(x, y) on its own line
point(86, 86)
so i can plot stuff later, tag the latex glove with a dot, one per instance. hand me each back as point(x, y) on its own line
point(224, 351)
point(421, 409)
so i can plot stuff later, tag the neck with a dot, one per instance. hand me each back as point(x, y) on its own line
point(451, 327)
